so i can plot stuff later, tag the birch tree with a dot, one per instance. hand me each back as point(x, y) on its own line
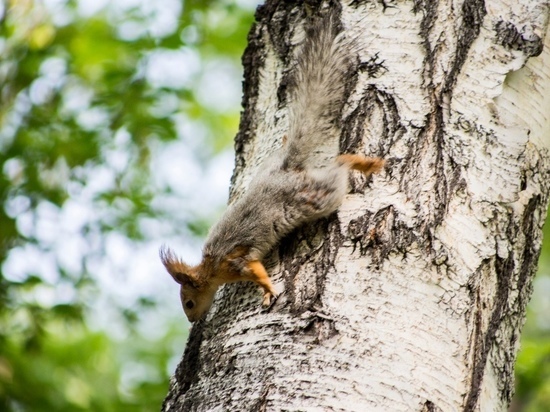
point(412, 296)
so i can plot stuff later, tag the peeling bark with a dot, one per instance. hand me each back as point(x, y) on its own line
point(412, 296)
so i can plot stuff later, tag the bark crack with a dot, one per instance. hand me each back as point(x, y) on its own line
point(512, 38)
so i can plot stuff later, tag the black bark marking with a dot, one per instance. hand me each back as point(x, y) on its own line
point(386, 4)
point(359, 233)
point(478, 346)
point(291, 262)
point(429, 406)
point(512, 38)
point(353, 128)
point(504, 269)
point(430, 147)
point(529, 259)
point(253, 61)
point(374, 67)
point(368, 230)
point(531, 253)
point(188, 368)
point(329, 250)
point(312, 238)
point(320, 329)
point(281, 30)
point(280, 23)
point(379, 234)
point(473, 12)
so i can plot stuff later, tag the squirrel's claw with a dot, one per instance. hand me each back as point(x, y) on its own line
point(269, 299)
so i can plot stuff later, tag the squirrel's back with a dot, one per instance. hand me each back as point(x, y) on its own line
point(277, 201)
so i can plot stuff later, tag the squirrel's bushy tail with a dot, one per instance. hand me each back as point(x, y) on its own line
point(317, 89)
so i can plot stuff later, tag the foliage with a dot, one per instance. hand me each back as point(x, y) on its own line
point(75, 369)
point(92, 93)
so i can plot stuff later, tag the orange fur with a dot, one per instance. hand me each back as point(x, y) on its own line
point(259, 275)
point(366, 165)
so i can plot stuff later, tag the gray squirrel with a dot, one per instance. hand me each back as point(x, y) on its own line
point(290, 190)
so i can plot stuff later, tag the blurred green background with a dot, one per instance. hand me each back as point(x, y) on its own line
point(116, 128)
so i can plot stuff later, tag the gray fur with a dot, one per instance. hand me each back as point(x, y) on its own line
point(290, 191)
point(317, 90)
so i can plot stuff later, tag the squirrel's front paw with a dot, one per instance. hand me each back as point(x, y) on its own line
point(269, 298)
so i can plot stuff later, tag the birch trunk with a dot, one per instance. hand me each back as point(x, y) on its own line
point(412, 296)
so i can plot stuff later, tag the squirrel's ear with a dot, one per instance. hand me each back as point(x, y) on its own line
point(180, 271)
point(185, 279)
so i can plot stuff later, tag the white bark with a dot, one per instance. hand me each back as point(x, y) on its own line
point(412, 297)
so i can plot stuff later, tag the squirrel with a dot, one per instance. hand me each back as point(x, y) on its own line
point(290, 191)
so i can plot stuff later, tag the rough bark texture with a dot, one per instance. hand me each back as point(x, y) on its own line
point(412, 296)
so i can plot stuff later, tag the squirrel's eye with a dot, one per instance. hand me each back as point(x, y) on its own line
point(189, 304)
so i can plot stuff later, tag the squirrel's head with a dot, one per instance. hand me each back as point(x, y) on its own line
point(196, 295)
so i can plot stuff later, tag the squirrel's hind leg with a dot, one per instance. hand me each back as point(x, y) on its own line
point(256, 272)
point(363, 164)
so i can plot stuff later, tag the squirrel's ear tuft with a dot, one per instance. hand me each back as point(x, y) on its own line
point(179, 270)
